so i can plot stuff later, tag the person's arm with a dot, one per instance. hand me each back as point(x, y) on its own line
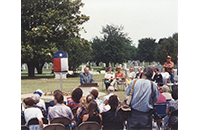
point(123, 76)
point(40, 123)
point(101, 121)
point(156, 92)
point(161, 78)
point(82, 79)
point(85, 117)
point(92, 80)
point(128, 88)
point(167, 111)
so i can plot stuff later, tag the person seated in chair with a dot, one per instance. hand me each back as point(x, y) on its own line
point(165, 75)
point(166, 93)
point(119, 76)
point(82, 110)
point(130, 75)
point(112, 116)
point(59, 109)
point(86, 77)
point(31, 112)
point(93, 113)
point(76, 96)
point(172, 106)
point(109, 77)
point(158, 77)
point(36, 98)
point(139, 74)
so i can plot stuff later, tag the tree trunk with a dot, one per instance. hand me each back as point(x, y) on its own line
point(107, 64)
point(39, 67)
point(31, 68)
point(97, 63)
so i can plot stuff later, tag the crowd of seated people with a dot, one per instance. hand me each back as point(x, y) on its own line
point(91, 108)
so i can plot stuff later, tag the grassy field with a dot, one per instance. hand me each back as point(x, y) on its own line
point(47, 83)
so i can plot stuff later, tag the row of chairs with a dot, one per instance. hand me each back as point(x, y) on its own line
point(60, 123)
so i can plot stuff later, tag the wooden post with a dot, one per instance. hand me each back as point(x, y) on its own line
point(61, 81)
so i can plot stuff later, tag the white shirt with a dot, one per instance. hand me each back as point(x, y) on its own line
point(109, 74)
point(33, 112)
point(165, 76)
point(41, 103)
point(107, 96)
point(131, 75)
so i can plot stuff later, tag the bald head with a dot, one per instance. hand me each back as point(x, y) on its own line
point(86, 70)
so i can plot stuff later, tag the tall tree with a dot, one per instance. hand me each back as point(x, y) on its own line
point(114, 47)
point(45, 24)
point(167, 46)
point(146, 49)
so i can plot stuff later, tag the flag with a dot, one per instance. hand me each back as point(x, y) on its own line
point(60, 61)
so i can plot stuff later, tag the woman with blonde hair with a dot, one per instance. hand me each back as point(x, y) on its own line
point(83, 109)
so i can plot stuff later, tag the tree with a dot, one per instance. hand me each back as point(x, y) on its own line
point(79, 51)
point(146, 49)
point(114, 47)
point(45, 24)
point(167, 46)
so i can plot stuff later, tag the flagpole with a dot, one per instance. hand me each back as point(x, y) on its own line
point(61, 81)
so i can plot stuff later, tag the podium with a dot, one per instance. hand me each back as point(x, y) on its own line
point(86, 87)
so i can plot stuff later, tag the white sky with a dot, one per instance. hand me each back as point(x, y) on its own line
point(140, 18)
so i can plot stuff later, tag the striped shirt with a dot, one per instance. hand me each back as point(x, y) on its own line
point(141, 98)
point(60, 110)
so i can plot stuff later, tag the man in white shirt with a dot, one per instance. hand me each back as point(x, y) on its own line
point(109, 76)
point(131, 74)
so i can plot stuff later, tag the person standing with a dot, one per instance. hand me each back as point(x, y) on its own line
point(170, 65)
point(109, 77)
point(142, 102)
point(119, 76)
point(86, 77)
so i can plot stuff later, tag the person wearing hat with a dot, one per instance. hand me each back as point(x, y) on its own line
point(41, 103)
point(119, 76)
point(170, 65)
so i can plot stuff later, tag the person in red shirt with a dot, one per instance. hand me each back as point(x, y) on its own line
point(170, 65)
point(119, 76)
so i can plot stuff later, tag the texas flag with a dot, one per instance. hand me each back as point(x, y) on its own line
point(60, 61)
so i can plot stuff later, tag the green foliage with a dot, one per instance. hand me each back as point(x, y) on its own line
point(114, 47)
point(167, 46)
point(79, 51)
point(145, 50)
point(45, 24)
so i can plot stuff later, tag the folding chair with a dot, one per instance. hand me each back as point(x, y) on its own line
point(113, 126)
point(63, 120)
point(160, 108)
point(55, 126)
point(23, 127)
point(89, 125)
point(34, 121)
point(122, 83)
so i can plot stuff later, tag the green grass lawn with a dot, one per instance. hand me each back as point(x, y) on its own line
point(47, 83)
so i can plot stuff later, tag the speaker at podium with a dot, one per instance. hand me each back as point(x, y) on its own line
point(87, 86)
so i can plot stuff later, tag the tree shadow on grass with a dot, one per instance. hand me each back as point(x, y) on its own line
point(46, 75)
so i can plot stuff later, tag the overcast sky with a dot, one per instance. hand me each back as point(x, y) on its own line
point(140, 18)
